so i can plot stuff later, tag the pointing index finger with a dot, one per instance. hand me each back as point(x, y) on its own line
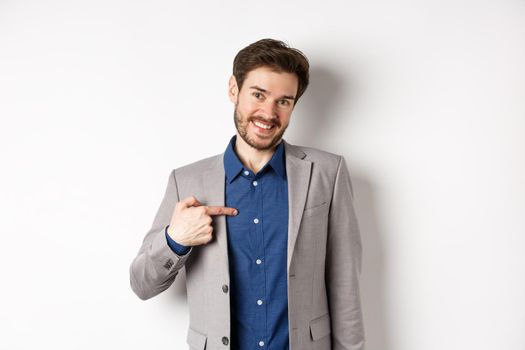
point(219, 210)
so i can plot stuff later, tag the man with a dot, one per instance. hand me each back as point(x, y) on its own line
point(266, 230)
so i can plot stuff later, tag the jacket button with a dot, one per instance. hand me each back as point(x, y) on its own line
point(225, 288)
point(225, 340)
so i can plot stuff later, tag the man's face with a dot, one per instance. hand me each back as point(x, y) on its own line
point(263, 106)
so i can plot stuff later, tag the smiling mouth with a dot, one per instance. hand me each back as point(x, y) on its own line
point(262, 125)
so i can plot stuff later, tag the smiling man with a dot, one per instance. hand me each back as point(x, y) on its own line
point(264, 106)
point(266, 230)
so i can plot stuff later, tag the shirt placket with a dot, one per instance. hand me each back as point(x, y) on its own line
point(258, 262)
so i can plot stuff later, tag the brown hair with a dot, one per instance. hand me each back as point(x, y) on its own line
point(276, 55)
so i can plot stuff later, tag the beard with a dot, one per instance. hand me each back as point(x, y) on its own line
point(242, 124)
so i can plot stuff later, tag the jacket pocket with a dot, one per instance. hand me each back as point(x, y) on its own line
point(196, 339)
point(316, 209)
point(320, 327)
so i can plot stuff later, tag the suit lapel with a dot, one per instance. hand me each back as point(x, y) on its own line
point(298, 176)
point(214, 182)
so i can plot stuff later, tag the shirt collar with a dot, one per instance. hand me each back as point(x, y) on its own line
point(233, 166)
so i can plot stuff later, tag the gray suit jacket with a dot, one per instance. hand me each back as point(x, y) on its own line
point(324, 254)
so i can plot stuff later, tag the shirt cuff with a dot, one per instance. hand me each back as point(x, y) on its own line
point(177, 248)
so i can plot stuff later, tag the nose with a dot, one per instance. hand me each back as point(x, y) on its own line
point(268, 109)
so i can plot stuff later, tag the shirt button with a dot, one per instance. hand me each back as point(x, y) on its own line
point(256, 221)
point(254, 183)
point(246, 172)
point(258, 261)
point(259, 302)
point(225, 340)
point(261, 343)
point(225, 288)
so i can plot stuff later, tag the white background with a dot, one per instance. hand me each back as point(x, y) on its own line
point(99, 100)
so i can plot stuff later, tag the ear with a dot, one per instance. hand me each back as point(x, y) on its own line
point(233, 89)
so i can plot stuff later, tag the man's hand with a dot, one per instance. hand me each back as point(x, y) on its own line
point(191, 221)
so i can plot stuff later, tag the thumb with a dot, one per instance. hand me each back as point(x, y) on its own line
point(188, 202)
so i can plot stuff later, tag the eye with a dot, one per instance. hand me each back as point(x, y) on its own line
point(284, 102)
point(257, 95)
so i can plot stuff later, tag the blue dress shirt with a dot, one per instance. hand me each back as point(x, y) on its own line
point(257, 251)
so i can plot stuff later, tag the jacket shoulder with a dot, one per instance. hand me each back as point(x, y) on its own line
point(319, 158)
point(318, 155)
point(191, 169)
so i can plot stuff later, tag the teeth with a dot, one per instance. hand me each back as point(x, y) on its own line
point(261, 125)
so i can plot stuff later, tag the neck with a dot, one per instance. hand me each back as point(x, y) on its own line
point(250, 157)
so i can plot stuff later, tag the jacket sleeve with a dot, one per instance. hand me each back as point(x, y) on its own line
point(343, 266)
point(156, 265)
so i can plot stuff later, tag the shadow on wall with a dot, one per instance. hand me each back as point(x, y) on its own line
point(373, 289)
point(317, 107)
point(315, 113)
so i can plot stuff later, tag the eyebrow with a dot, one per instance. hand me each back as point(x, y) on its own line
point(265, 91)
